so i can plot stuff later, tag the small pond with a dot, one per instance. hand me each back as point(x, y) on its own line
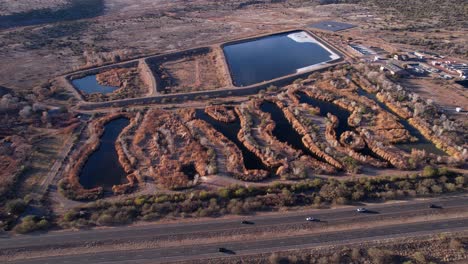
point(90, 85)
point(274, 56)
point(102, 167)
point(230, 131)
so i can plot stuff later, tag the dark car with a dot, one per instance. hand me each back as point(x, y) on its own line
point(223, 250)
point(226, 251)
point(435, 206)
point(245, 222)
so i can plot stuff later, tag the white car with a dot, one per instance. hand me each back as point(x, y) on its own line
point(311, 219)
point(361, 210)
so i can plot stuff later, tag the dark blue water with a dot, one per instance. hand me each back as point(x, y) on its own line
point(102, 167)
point(327, 107)
point(283, 131)
point(271, 57)
point(90, 85)
point(342, 114)
point(463, 83)
point(230, 131)
point(422, 142)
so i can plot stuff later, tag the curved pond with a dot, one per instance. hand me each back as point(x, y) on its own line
point(327, 107)
point(102, 169)
point(230, 131)
point(90, 85)
point(283, 131)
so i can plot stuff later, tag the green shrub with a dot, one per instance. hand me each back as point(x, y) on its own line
point(139, 201)
point(16, 207)
point(419, 258)
point(31, 223)
point(430, 171)
point(69, 216)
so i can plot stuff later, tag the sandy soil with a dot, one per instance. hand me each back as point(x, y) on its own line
point(197, 73)
point(444, 94)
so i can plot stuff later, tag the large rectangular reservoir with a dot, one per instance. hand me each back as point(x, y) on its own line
point(274, 56)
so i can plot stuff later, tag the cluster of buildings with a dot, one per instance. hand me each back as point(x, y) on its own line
point(362, 50)
point(461, 69)
point(393, 69)
point(415, 62)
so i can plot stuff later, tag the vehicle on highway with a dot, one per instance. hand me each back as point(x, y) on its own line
point(361, 210)
point(222, 250)
point(245, 222)
point(311, 219)
point(433, 206)
point(226, 251)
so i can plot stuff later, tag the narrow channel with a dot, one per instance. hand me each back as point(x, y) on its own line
point(283, 131)
point(327, 107)
point(422, 143)
point(342, 114)
point(230, 131)
point(102, 169)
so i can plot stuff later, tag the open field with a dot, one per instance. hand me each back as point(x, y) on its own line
point(197, 72)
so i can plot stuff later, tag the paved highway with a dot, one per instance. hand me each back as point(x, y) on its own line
point(259, 246)
point(331, 216)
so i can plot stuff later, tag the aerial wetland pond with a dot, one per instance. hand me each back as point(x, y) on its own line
point(274, 56)
point(275, 136)
point(103, 169)
point(89, 85)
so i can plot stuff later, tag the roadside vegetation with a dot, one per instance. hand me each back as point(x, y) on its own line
point(246, 200)
point(437, 249)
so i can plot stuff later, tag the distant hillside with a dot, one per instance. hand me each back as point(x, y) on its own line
point(448, 12)
point(76, 9)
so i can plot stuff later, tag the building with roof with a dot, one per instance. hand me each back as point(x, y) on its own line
point(393, 69)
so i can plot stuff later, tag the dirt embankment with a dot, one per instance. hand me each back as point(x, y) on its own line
point(168, 152)
point(198, 69)
point(227, 153)
point(364, 111)
point(221, 113)
point(308, 141)
point(256, 134)
point(393, 155)
point(402, 111)
point(330, 135)
point(423, 127)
